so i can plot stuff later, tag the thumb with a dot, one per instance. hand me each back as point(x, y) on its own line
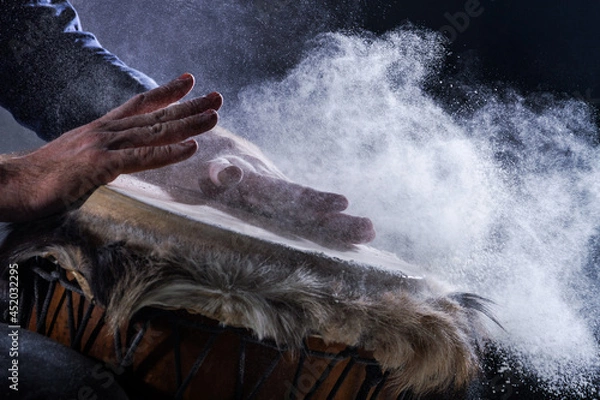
point(219, 175)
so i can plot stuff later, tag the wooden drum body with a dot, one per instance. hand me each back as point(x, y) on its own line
point(185, 301)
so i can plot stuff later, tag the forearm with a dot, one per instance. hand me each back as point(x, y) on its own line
point(55, 77)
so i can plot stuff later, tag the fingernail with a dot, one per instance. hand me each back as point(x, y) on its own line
point(213, 96)
point(230, 176)
point(189, 143)
point(210, 114)
point(185, 77)
point(331, 202)
point(339, 202)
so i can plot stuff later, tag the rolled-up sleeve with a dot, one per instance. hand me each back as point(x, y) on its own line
point(54, 76)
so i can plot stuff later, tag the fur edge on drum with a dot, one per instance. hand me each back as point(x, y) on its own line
point(125, 260)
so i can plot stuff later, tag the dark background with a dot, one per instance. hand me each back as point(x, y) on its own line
point(532, 45)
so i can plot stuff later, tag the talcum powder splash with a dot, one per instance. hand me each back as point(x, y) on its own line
point(502, 200)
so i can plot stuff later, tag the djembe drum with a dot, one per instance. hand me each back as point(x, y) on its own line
point(186, 301)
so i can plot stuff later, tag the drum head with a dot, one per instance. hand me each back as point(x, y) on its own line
point(230, 223)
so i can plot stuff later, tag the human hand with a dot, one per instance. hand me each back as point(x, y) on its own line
point(141, 134)
point(232, 172)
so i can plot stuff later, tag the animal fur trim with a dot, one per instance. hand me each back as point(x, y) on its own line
point(127, 257)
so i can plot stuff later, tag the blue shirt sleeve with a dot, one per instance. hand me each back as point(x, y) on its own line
point(53, 76)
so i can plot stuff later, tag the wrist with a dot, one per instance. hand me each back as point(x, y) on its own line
point(5, 170)
point(12, 206)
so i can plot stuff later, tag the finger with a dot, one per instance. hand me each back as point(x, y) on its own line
point(164, 133)
point(154, 99)
point(212, 101)
point(347, 228)
point(321, 201)
point(144, 158)
point(277, 196)
point(304, 208)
